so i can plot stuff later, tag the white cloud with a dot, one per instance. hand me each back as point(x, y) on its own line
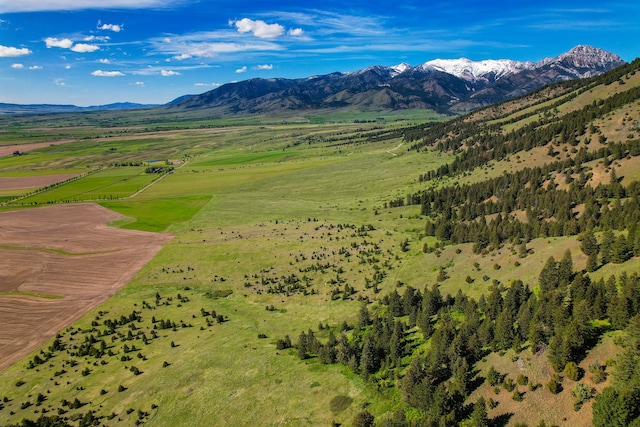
point(110, 27)
point(208, 84)
point(198, 45)
point(104, 61)
point(84, 48)
point(139, 83)
point(21, 66)
point(100, 73)
point(68, 44)
point(97, 38)
point(59, 82)
point(182, 57)
point(10, 52)
point(242, 70)
point(54, 42)
point(168, 73)
point(44, 5)
point(263, 67)
point(259, 28)
point(296, 32)
point(67, 67)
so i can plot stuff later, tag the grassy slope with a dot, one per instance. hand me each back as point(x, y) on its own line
point(240, 186)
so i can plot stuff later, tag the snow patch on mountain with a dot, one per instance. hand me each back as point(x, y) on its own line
point(489, 70)
point(400, 68)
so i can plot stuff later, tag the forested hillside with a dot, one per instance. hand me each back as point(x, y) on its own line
point(581, 182)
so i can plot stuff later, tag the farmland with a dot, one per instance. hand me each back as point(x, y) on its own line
point(248, 206)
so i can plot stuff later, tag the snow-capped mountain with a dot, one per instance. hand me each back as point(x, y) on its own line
point(488, 70)
point(441, 84)
point(401, 68)
point(586, 61)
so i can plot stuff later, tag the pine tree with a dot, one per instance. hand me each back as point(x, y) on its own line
point(548, 278)
point(368, 358)
point(364, 319)
point(565, 268)
point(364, 419)
point(589, 244)
point(558, 352)
point(620, 250)
point(592, 262)
point(606, 247)
point(504, 332)
point(479, 416)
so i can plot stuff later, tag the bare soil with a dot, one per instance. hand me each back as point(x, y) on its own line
point(27, 182)
point(7, 150)
point(56, 264)
point(541, 405)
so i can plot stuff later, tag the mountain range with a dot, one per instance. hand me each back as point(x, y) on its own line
point(67, 108)
point(448, 86)
point(444, 85)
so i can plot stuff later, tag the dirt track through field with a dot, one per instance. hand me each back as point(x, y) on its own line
point(56, 264)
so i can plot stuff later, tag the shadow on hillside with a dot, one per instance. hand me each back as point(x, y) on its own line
point(501, 420)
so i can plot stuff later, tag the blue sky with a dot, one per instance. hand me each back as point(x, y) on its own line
point(90, 52)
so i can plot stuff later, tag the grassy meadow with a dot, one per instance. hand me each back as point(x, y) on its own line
point(249, 205)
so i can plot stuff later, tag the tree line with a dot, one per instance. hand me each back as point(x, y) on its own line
point(558, 320)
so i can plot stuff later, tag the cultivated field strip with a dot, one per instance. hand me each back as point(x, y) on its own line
point(58, 263)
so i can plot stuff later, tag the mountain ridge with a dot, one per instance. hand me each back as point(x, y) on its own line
point(449, 86)
point(8, 108)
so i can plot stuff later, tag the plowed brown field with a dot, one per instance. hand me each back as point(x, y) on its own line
point(27, 182)
point(6, 150)
point(66, 252)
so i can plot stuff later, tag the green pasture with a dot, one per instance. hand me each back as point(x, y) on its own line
point(235, 159)
point(105, 184)
point(205, 366)
point(157, 214)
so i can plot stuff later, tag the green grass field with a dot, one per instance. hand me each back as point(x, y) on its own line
point(242, 204)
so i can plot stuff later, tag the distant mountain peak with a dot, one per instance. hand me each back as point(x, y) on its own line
point(589, 56)
point(401, 68)
point(584, 60)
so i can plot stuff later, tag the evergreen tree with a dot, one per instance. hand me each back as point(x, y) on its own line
point(589, 244)
point(504, 332)
point(364, 419)
point(606, 247)
point(565, 268)
point(620, 250)
point(364, 318)
point(612, 408)
point(558, 352)
point(399, 418)
point(479, 416)
point(548, 278)
point(368, 358)
point(592, 262)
